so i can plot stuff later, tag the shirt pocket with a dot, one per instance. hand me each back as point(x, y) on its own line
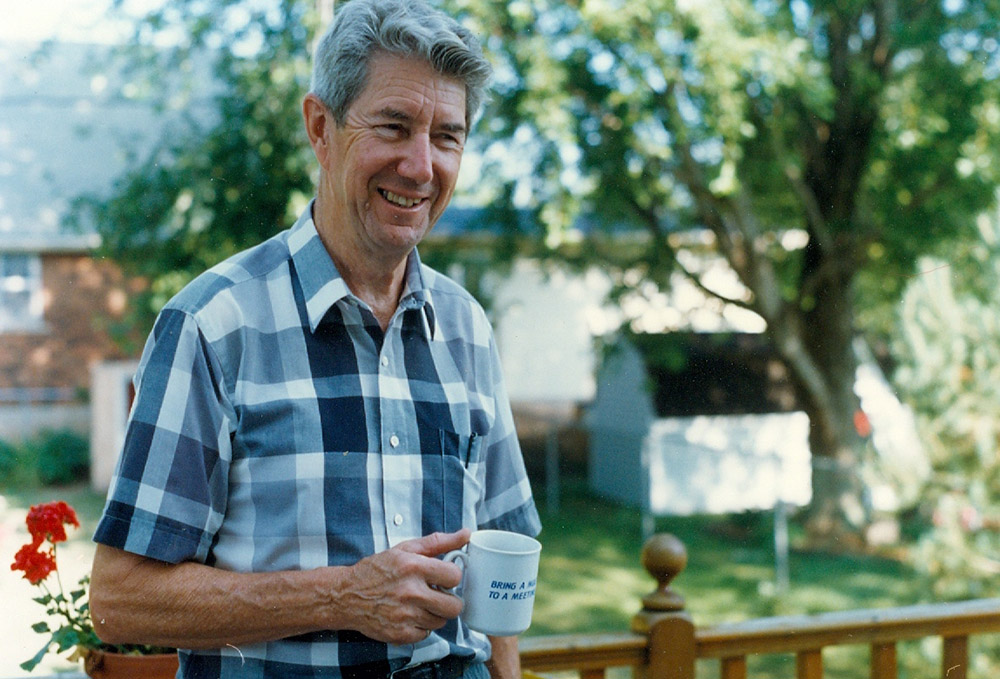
point(456, 489)
point(465, 449)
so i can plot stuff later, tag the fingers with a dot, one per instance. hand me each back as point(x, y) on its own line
point(396, 595)
point(437, 544)
point(410, 610)
point(437, 573)
point(415, 636)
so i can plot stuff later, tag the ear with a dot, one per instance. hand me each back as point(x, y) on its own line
point(318, 122)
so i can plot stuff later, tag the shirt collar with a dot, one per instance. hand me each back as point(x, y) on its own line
point(416, 294)
point(323, 286)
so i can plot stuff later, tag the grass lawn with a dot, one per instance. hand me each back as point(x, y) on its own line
point(591, 580)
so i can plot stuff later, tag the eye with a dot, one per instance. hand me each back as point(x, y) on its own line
point(450, 140)
point(394, 130)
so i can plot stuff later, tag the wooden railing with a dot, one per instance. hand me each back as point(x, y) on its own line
point(664, 642)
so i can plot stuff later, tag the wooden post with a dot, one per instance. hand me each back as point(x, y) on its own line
point(884, 664)
point(809, 664)
point(733, 668)
point(663, 619)
point(955, 657)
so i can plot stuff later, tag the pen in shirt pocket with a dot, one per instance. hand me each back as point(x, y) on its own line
point(472, 445)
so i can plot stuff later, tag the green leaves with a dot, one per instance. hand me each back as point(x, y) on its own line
point(947, 345)
point(809, 145)
point(29, 665)
point(850, 120)
point(235, 164)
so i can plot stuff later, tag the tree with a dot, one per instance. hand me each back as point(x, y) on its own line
point(819, 143)
point(816, 142)
point(947, 343)
point(224, 175)
point(948, 346)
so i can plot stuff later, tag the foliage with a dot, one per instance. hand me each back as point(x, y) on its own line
point(809, 143)
point(60, 456)
point(668, 115)
point(10, 462)
point(232, 166)
point(37, 560)
point(949, 353)
point(50, 457)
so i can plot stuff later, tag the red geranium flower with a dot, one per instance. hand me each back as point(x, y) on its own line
point(46, 521)
point(35, 564)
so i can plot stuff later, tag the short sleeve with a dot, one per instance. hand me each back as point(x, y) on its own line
point(508, 503)
point(168, 496)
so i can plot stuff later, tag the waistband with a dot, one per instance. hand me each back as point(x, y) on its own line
point(450, 667)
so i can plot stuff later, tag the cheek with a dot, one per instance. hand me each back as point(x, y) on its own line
point(359, 163)
point(360, 179)
point(448, 174)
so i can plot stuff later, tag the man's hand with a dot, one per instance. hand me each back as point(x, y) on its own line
point(396, 596)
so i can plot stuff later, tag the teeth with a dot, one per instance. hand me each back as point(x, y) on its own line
point(399, 200)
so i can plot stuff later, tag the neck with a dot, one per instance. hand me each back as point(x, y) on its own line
point(378, 288)
point(377, 281)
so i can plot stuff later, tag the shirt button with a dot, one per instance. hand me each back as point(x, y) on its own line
point(393, 440)
point(398, 519)
point(385, 361)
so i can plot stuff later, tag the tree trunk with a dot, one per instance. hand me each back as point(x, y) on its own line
point(824, 364)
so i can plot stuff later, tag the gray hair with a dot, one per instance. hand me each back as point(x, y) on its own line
point(400, 27)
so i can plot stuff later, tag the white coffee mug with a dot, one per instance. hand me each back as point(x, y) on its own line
point(500, 569)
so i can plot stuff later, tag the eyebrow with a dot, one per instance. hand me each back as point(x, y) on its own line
point(395, 114)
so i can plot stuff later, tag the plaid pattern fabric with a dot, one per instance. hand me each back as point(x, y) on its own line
point(275, 427)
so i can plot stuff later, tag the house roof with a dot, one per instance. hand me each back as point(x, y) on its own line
point(68, 127)
point(70, 124)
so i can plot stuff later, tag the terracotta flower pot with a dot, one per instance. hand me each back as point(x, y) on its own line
point(102, 665)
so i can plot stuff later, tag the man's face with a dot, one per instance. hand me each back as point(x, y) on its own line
point(394, 163)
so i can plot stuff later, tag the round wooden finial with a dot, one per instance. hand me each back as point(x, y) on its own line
point(664, 557)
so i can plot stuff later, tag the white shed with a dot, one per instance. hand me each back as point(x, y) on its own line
point(693, 423)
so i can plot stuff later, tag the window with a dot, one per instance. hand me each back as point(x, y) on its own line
point(20, 292)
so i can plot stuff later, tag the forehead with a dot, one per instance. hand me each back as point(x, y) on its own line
point(411, 86)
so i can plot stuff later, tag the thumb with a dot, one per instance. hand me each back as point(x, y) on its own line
point(436, 544)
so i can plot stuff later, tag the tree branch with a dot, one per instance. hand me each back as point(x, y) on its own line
point(695, 280)
point(807, 198)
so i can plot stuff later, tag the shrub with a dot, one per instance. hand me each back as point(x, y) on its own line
point(9, 460)
point(60, 456)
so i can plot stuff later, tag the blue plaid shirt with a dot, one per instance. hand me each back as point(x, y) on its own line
point(276, 427)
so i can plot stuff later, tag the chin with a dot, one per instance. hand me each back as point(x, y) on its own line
point(401, 238)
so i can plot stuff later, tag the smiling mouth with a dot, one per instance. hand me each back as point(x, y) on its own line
point(398, 200)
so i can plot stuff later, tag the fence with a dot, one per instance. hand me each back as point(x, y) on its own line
point(664, 643)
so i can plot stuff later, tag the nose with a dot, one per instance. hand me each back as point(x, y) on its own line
point(416, 163)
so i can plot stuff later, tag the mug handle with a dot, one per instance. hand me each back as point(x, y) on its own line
point(457, 555)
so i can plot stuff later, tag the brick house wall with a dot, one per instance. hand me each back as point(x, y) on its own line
point(84, 298)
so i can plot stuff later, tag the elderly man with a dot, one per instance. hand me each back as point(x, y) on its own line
point(321, 417)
